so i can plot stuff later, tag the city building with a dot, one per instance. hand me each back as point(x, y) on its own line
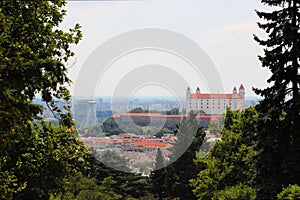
point(214, 104)
point(158, 118)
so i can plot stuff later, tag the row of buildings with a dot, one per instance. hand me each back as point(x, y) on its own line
point(209, 106)
point(156, 119)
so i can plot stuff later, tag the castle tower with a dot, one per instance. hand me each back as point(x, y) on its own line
point(187, 99)
point(234, 92)
point(198, 90)
point(242, 91)
point(242, 95)
point(188, 92)
point(234, 98)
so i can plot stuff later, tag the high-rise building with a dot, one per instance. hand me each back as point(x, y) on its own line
point(90, 119)
point(214, 104)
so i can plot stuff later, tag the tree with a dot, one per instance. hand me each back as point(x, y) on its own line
point(236, 192)
point(291, 192)
point(214, 128)
point(173, 181)
point(278, 146)
point(158, 176)
point(229, 164)
point(79, 187)
point(173, 111)
point(127, 184)
point(183, 169)
point(138, 110)
point(159, 160)
point(110, 127)
point(35, 155)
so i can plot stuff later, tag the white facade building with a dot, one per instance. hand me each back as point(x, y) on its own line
point(214, 104)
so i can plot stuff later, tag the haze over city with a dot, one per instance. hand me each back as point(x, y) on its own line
point(224, 30)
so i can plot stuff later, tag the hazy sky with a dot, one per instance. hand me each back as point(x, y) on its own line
point(223, 28)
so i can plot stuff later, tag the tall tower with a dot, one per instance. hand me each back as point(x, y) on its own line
point(242, 91)
point(90, 119)
point(198, 90)
point(187, 99)
point(242, 95)
point(234, 99)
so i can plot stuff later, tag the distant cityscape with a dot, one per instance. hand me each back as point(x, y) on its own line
point(139, 126)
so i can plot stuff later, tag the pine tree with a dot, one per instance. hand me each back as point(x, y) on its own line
point(278, 146)
point(158, 176)
point(182, 168)
point(172, 181)
point(159, 160)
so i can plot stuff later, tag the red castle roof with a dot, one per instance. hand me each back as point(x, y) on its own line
point(213, 96)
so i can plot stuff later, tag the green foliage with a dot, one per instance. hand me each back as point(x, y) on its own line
point(173, 181)
point(9, 183)
point(110, 127)
point(173, 111)
point(230, 161)
point(127, 184)
point(94, 131)
point(158, 175)
point(113, 159)
point(138, 110)
point(51, 153)
point(164, 131)
point(35, 156)
point(291, 192)
point(159, 160)
point(278, 161)
point(236, 192)
point(79, 187)
point(214, 128)
point(33, 55)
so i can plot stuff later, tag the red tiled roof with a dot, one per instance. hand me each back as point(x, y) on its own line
point(213, 96)
point(241, 87)
point(213, 118)
point(138, 115)
point(118, 115)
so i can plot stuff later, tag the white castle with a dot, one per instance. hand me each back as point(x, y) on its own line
point(214, 104)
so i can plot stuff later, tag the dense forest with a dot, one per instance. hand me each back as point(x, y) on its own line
point(258, 156)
